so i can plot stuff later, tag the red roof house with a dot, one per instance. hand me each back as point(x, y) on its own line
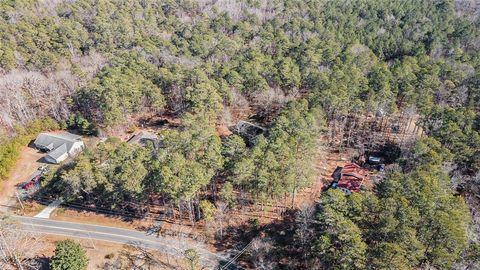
point(352, 177)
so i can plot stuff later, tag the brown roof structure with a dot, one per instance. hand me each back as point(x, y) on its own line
point(351, 177)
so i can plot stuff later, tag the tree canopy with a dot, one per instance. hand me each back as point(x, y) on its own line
point(69, 255)
point(296, 67)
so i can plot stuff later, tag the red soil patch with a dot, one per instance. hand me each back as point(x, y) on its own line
point(223, 131)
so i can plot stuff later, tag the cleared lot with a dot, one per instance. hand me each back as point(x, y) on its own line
point(29, 161)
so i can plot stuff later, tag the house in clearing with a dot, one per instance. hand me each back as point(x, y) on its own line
point(59, 146)
point(349, 178)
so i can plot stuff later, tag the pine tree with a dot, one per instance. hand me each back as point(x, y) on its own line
point(69, 255)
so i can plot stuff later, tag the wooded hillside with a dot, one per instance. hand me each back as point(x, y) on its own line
point(303, 70)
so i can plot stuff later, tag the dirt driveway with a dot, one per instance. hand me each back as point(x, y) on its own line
point(26, 165)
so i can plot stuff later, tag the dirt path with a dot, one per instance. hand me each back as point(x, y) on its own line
point(26, 165)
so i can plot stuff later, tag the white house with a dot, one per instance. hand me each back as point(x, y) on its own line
point(59, 146)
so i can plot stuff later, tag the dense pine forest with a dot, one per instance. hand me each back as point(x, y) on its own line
point(298, 68)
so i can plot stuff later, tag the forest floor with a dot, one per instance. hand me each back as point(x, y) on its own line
point(155, 124)
point(147, 122)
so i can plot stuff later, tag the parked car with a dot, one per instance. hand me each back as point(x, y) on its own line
point(374, 160)
point(34, 181)
point(28, 185)
point(381, 168)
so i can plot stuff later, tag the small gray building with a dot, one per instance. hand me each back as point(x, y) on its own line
point(249, 131)
point(59, 146)
point(143, 137)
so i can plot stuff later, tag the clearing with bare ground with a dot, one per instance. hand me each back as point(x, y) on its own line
point(101, 253)
point(96, 250)
point(28, 162)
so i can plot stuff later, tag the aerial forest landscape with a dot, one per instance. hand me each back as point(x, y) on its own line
point(239, 134)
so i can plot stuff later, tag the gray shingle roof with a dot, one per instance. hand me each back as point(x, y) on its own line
point(143, 136)
point(51, 141)
point(58, 152)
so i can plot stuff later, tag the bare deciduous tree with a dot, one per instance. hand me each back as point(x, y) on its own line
point(304, 230)
point(18, 246)
point(259, 251)
point(133, 257)
point(27, 95)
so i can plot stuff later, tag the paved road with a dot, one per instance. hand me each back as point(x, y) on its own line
point(123, 236)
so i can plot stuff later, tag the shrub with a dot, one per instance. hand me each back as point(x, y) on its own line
point(69, 255)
